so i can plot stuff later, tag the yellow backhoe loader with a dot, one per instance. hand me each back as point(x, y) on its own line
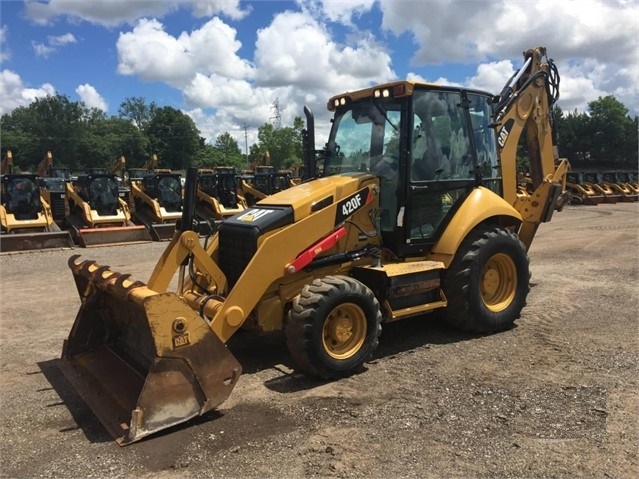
point(416, 210)
point(25, 213)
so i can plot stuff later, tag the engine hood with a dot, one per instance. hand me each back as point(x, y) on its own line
point(318, 194)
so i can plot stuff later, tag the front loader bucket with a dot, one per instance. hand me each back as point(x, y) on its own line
point(31, 241)
point(143, 361)
point(86, 237)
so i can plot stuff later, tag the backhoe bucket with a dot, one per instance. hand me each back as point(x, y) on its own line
point(143, 361)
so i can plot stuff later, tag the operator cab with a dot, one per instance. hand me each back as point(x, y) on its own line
point(222, 184)
point(595, 178)
point(100, 191)
point(575, 177)
point(20, 196)
point(269, 181)
point(430, 146)
point(166, 188)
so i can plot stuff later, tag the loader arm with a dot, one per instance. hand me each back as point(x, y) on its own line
point(525, 106)
point(247, 190)
point(269, 263)
point(154, 206)
point(45, 165)
point(118, 167)
point(7, 163)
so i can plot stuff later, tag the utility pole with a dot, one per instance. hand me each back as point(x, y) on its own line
point(245, 126)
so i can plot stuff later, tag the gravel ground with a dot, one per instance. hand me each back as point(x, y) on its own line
point(556, 396)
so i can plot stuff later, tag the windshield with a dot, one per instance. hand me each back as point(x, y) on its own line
point(221, 186)
point(170, 193)
point(103, 192)
point(62, 173)
point(23, 198)
point(365, 137)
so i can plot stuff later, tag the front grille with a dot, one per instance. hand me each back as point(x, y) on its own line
point(58, 208)
point(238, 245)
point(239, 235)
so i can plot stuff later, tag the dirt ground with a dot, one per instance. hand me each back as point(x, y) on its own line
point(556, 396)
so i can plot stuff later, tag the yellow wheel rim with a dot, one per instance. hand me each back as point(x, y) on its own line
point(499, 282)
point(344, 331)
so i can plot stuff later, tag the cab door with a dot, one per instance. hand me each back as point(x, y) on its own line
point(452, 149)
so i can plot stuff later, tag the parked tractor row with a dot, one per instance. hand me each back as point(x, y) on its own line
point(51, 208)
point(592, 188)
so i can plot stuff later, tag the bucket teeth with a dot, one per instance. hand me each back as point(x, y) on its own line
point(102, 277)
point(119, 281)
point(72, 263)
point(98, 274)
point(123, 285)
point(81, 268)
point(86, 269)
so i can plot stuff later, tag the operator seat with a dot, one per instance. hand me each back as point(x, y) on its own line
point(433, 161)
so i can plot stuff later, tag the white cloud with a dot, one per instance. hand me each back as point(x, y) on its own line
point(296, 62)
point(208, 8)
point(154, 55)
point(91, 98)
point(14, 94)
point(296, 50)
point(586, 32)
point(111, 13)
point(306, 57)
point(61, 40)
point(42, 50)
point(215, 91)
point(53, 43)
point(497, 29)
point(339, 11)
point(211, 125)
point(5, 54)
point(492, 76)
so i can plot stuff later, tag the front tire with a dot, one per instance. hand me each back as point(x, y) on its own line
point(333, 327)
point(487, 282)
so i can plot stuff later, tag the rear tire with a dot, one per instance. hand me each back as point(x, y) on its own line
point(333, 327)
point(487, 282)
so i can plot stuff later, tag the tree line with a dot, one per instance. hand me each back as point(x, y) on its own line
point(605, 138)
point(80, 137)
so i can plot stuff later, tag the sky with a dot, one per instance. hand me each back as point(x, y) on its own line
point(233, 65)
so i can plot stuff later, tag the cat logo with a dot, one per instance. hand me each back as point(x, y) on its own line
point(253, 214)
point(502, 136)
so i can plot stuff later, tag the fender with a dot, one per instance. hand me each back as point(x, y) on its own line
point(480, 205)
